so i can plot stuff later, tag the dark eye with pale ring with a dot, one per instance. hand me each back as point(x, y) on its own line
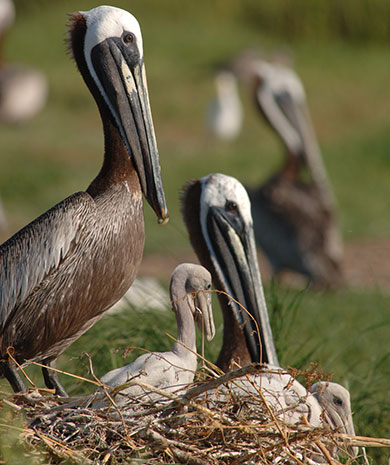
point(231, 207)
point(337, 401)
point(208, 286)
point(128, 38)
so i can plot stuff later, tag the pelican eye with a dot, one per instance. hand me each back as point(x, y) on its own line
point(128, 38)
point(231, 207)
point(208, 287)
point(337, 401)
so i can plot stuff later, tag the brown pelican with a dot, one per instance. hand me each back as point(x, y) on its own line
point(324, 404)
point(216, 211)
point(224, 117)
point(294, 211)
point(23, 90)
point(175, 369)
point(61, 272)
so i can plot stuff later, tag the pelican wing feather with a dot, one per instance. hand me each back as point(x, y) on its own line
point(34, 252)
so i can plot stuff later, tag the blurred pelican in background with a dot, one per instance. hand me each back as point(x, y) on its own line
point(294, 212)
point(225, 115)
point(23, 90)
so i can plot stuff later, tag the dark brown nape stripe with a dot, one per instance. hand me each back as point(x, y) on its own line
point(74, 42)
point(75, 45)
point(190, 209)
point(190, 204)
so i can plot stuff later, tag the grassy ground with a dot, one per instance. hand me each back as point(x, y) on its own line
point(60, 151)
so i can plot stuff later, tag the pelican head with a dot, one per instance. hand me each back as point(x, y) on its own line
point(227, 229)
point(196, 281)
point(106, 43)
point(336, 402)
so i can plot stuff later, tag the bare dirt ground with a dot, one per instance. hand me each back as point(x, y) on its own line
point(366, 265)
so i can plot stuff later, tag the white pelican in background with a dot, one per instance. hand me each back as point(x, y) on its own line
point(173, 370)
point(23, 90)
point(224, 115)
point(60, 273)
point(294, 211)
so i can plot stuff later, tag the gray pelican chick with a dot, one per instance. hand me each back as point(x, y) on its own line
point(60, 273)
point(325, 404)
point(217, 213)
point(294, 211)
point(174, 370)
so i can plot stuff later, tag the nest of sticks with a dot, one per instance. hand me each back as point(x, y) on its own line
point(180, 429)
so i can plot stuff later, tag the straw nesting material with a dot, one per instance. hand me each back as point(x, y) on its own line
point(177, 428)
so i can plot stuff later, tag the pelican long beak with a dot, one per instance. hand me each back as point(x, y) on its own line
point(121, 73)
point(235, 249)
point(204, 318)
point(282, 114)
point(345, 423)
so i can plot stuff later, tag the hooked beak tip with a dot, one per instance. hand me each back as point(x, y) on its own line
point(164, 218)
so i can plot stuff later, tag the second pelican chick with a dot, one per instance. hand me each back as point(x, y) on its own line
point(172, 370)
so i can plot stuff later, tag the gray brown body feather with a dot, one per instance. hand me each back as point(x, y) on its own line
point(296, 230)
point(60, 273)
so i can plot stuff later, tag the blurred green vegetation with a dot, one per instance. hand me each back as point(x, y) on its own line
point(358, 20)
point(340, 52)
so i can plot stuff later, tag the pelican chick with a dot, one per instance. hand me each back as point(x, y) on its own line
point(173, 370)
point(326, 404)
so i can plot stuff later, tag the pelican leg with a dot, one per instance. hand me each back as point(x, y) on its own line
point(13, 377)
point(51, 379)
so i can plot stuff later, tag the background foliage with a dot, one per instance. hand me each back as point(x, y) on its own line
point(340, 50)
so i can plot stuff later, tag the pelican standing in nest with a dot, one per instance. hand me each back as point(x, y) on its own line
point(217, 213)
point(174, 370)
point(295, 210)
point(60, 273)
